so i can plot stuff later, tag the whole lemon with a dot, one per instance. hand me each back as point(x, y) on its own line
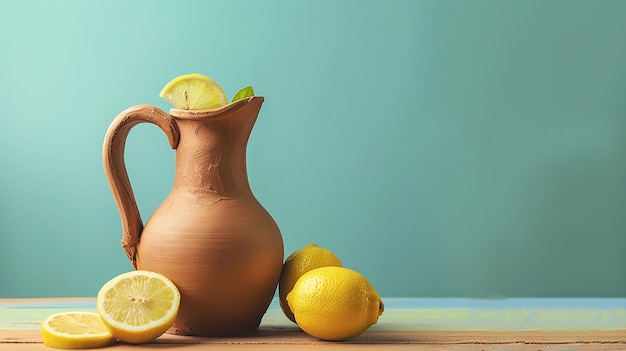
point(334, 303)
point(298, 263)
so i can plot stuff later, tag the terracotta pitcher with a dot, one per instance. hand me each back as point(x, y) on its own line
point(210, 236)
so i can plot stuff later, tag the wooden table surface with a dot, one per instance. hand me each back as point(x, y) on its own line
point(407, 324)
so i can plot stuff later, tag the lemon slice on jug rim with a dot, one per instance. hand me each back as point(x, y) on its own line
point(194, 92)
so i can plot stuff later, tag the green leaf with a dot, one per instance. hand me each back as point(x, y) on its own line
point(243, 93)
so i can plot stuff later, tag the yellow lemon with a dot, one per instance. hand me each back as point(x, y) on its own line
point(298, 263)
point(334, 303)
point(75, 330)
point(194, 92)
point(138, 306)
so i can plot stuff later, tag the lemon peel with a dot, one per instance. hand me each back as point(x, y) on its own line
point(299, 262)
point(334, 303)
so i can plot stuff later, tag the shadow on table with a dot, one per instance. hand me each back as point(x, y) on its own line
point(290, 335)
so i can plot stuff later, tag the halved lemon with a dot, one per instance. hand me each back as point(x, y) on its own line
point(138, 306)
point(194, 92)
point(75, 330)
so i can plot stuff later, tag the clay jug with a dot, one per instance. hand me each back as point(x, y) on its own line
point(210, 235)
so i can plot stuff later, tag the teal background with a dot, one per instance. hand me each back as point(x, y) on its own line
point(441, 148)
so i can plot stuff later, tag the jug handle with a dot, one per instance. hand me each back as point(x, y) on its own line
point(115, 168)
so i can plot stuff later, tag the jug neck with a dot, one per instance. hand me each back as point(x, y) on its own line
point(211, 153)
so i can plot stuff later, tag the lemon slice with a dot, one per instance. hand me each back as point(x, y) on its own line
point(138, 306)
point(75, 330)
point(194, 92)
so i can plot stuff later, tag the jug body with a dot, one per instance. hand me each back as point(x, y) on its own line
point(225, 258)
point(210, 236)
